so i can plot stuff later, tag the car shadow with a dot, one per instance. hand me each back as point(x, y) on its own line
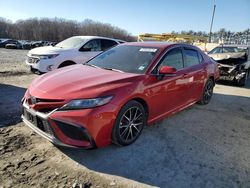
point(10, 104)
point(197, 147)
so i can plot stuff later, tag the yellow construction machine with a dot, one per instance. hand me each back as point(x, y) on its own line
point(171, 38)
point(199, 41)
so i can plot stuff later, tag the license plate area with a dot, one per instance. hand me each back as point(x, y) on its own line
point(37, 121)
point(30, 117)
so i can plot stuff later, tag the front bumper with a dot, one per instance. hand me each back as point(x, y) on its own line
point(36, 71)
point(231, 72)
point(50, 138)
point(52, 130)
point(41, 65)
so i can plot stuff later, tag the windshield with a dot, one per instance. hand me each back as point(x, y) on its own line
point(131, 59)
point(72, 42)
point(231, 49)
point(215, 50)
point(225, 50)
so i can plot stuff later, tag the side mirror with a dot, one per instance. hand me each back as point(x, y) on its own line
point(167, 70)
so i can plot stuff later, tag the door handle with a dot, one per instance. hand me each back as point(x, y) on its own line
point(185, 75)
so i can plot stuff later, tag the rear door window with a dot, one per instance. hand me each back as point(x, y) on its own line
point(93, 45)
point(191, 57)
point(106, 44)
point(200, 57)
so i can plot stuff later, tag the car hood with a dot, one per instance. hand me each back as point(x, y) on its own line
point(44, 50)
point(79, 81)
point(224, 56)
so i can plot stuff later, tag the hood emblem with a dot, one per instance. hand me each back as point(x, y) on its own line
point(33, 100)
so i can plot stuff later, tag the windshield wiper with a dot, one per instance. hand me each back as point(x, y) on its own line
point(117, 70)
point(91, 65)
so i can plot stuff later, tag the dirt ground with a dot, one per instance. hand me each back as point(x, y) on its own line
point(202, 146)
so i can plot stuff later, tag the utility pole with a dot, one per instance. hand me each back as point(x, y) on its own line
point(247, 36)
point(211, 26)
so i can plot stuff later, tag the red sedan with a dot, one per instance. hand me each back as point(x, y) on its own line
point(113, 96)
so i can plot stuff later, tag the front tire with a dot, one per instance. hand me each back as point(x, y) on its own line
point(243, 81)
point(129, 123)
point(207, 92)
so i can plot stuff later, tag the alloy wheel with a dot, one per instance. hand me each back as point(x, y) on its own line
point(208, 91)
point(131, 124)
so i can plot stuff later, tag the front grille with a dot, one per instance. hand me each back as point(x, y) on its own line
point(48, 100)
point(46, 110)
point(34, 100)
point(39, 122)
point(44, 126)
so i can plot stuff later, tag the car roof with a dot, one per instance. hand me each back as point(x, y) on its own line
point(150, 44)
point(94, 37)
point(234, 45)
point(3, 40)
point(225, 46)
point(161, 45)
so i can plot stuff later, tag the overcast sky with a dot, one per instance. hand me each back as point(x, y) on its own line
point(138, 16)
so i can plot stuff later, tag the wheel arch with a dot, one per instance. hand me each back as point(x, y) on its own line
point(116, 139)
point(212, 78)
point(66, 63)
point(143, 103)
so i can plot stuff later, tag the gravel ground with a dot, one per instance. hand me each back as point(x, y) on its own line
point(14, 79)
point(202, 146)
point(12, 62)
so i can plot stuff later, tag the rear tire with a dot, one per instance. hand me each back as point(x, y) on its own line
point(129, 123)
point(207, 92)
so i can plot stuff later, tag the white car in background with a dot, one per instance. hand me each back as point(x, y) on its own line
point(77, 49)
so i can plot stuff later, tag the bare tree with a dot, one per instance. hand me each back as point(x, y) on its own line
point(58, 29)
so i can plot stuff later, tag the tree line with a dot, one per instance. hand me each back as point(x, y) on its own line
point(58, 29)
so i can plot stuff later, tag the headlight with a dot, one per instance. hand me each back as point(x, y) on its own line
point(51, 56)
point(86, 103)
